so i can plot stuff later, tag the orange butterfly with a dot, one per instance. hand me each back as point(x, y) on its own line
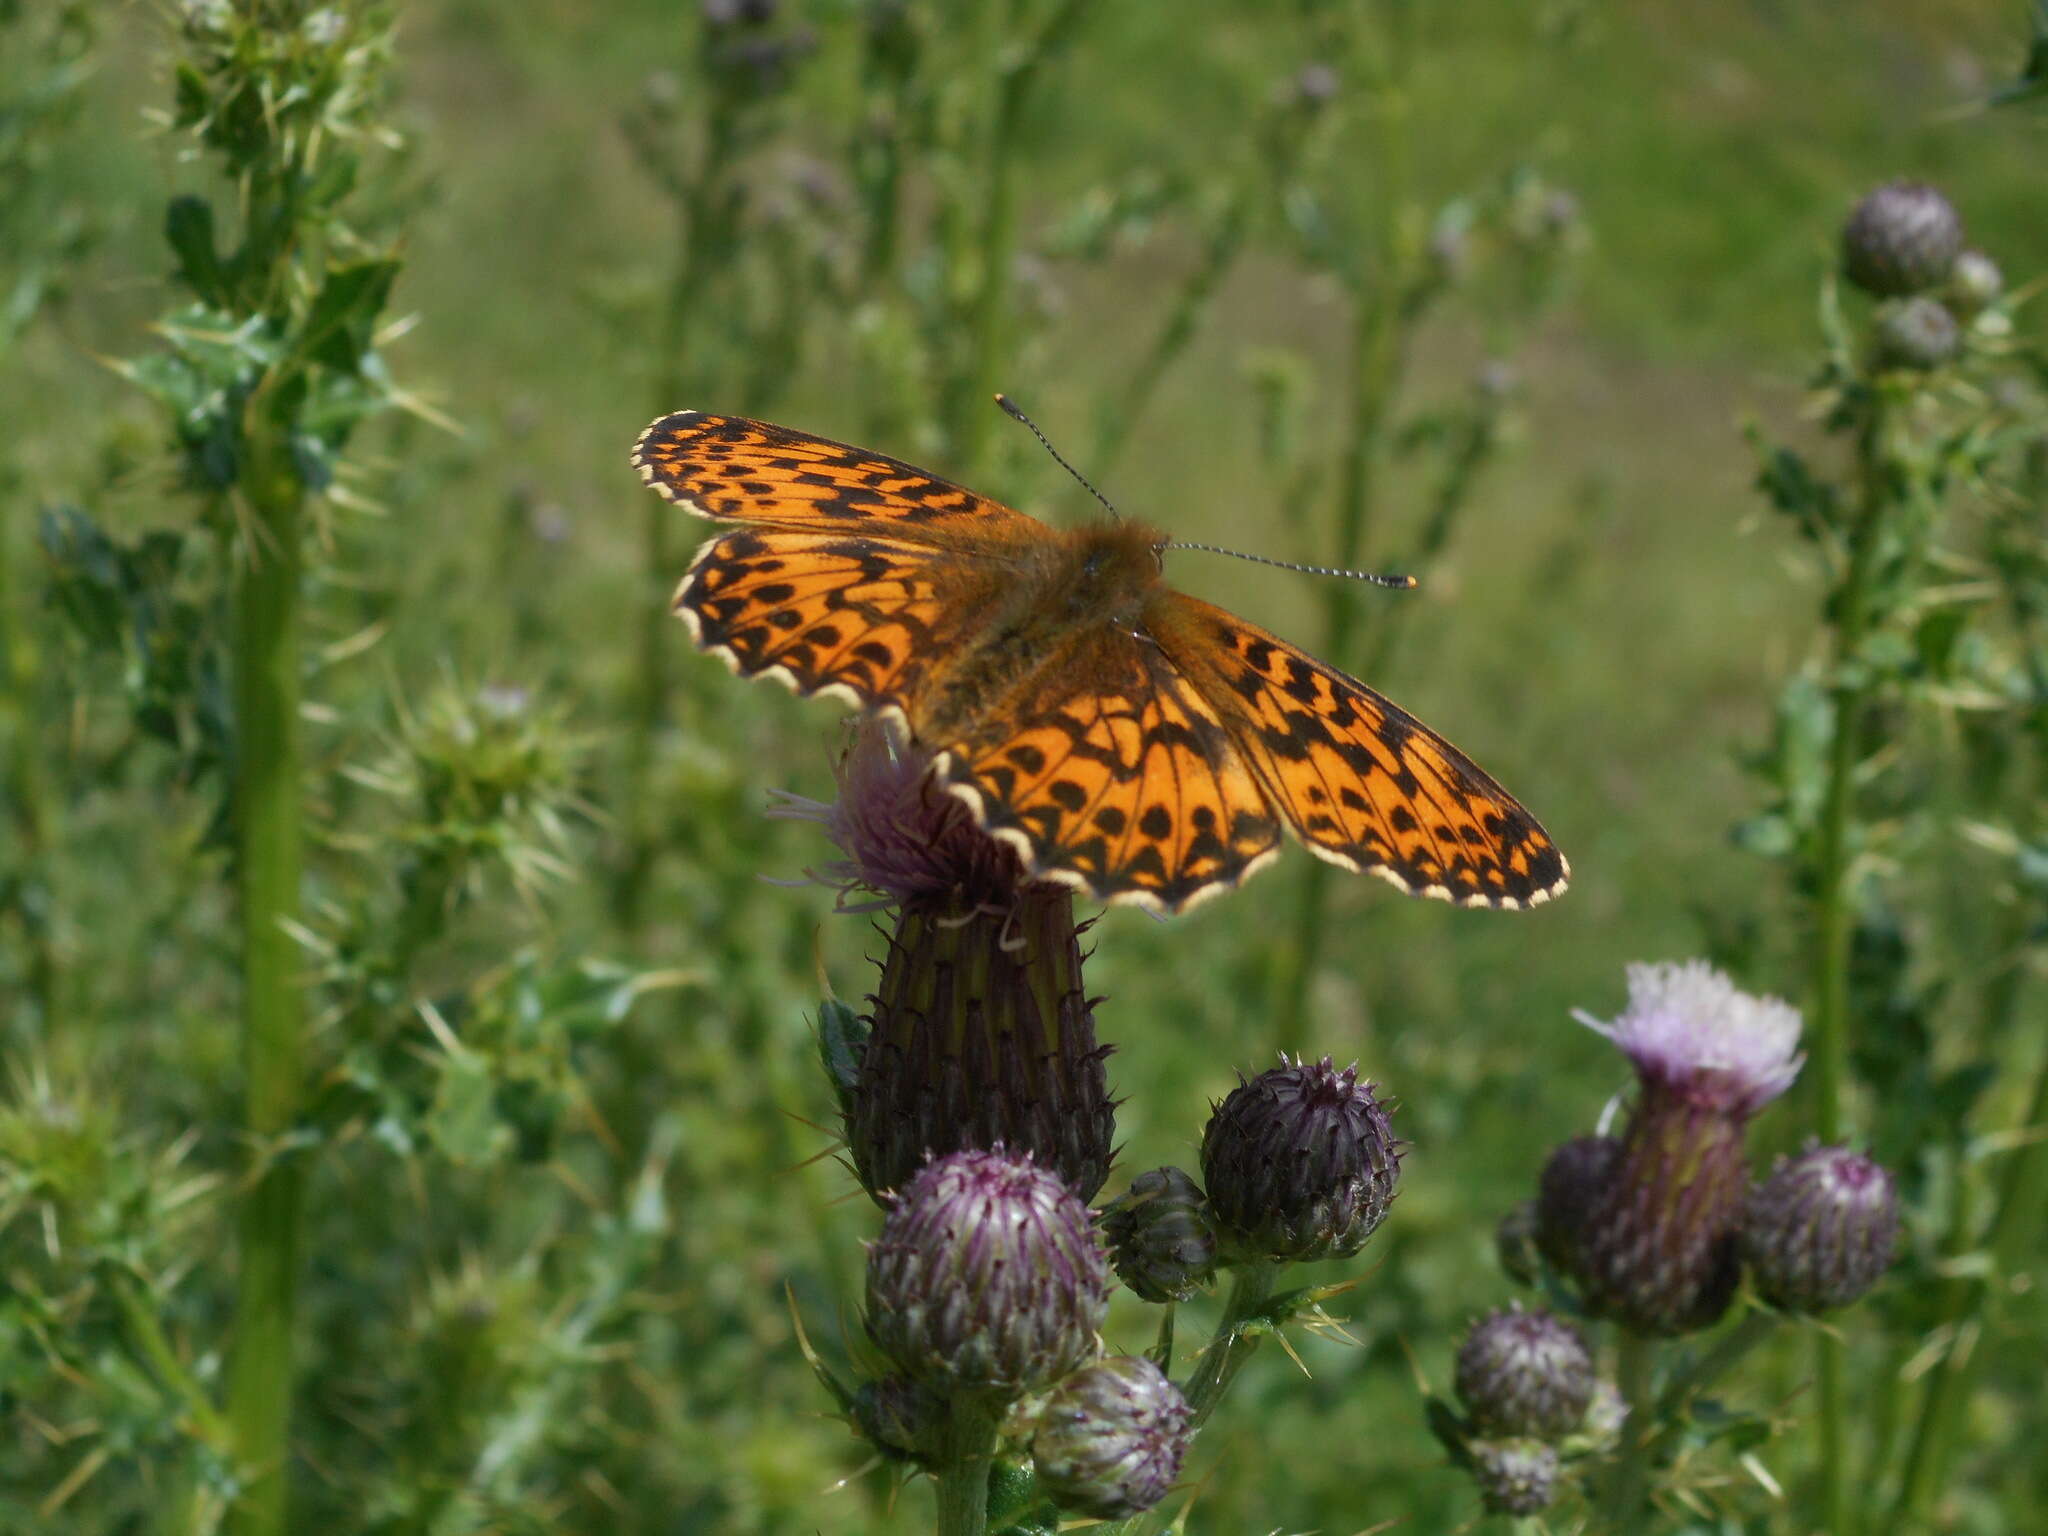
point(1128, 740)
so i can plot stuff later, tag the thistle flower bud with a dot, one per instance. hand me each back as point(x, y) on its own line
point(1656, 1251)
point(899, 1418)
point(1159, 1236)
point(1515, 1477)
point(1525, 1373)
point(1917, 334)
point(1818, 1233)
point(1300, 1163)
point(1573, 1184)
point(1974, 283)
point(1600, 1430)
point(988, 1278)
point(1901, 239)
point(1111, 1438)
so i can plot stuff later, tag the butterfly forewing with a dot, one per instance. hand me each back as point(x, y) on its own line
point(731, 469)
point(1361, 781)
point(1110, 772)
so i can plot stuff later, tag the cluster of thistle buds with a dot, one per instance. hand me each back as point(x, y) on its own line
point(977, 1114)
point(1653, 1230)
point(1903, 245)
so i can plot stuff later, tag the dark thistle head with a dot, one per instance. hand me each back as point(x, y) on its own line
point(1160, 1237)
point(1819, 1232)
point(980, 1031)
point(988, 1279)
point(1300, 1163)
point(1901, 239)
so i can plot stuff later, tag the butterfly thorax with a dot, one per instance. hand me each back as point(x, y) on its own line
point(1037, 604)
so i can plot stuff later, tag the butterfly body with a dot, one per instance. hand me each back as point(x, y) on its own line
point(1125, 738)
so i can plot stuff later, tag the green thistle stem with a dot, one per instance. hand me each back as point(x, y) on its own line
point(969, 1452)
point(1628, 1479)
point(1728, 1352)
point(1834, 917)
point(269, 779)
point(1234, 1342)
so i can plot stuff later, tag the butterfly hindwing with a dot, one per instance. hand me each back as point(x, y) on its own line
point(1108, 771)
point(825, 611)
point(730, 469)
point(1361, 781)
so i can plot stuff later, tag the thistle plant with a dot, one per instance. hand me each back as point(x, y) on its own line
point(1906, 740)
point(1647, 1235)
point(976, 1112)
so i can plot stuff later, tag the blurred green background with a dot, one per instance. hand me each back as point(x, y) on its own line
point(1604, 632)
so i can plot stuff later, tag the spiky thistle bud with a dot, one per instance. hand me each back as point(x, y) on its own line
point(1111, 1438)
point(980, 1032)
point(1515, 1477)
point(1300, 1163)
point(1974, 284)
point(1525, 1373)
point(1901, 239)
point(988, 1278)
point(1656, 1250)
point(1159, 1236)
point(1819, 1232)
point(1573, 1183)
point(1917, 334)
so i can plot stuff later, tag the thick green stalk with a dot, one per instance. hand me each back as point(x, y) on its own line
point(964, 1463)
point(1628, 1477)
point(1835, 916)
point(269, 776)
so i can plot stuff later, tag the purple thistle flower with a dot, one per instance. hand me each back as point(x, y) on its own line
point(1656, 1248)
point(988, 1278)
point(1901, 239)
point(1515, 1477)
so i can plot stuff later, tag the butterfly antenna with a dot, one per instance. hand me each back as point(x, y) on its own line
point(1400, 583)
point(1010, 406)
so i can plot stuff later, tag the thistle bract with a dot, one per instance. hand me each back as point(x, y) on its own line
point(1656, 1251)
point(1525, 1373)
point(900, 1418)
point(1160, 1239)
point(1300, 1163)
point(988, 1278)
point(980, 1035)
point(1819, 1232)
point(1515, 1477)
point(1901, 239)
point(1111, 1438)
